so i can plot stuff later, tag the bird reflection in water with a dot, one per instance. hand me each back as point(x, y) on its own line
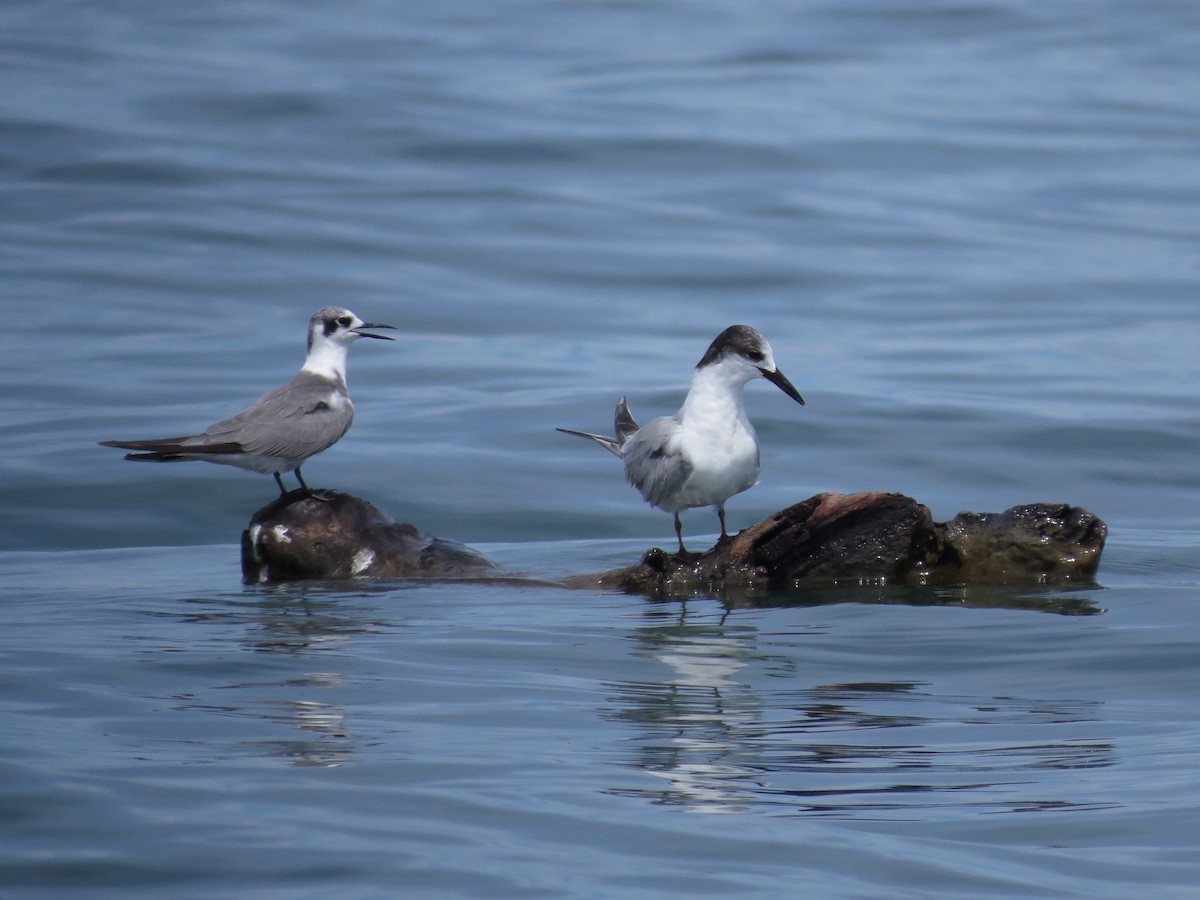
point(726, 729)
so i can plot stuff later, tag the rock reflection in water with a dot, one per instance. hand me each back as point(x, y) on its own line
point(305, 624)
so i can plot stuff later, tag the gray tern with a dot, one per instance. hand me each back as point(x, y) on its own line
point(708, 451)
point(282, 429)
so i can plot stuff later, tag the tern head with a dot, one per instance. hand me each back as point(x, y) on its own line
point(336, 325)
point(742, 353)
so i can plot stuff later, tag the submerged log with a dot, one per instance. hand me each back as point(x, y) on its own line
point(868, 538)
point(328, 534)
point(873, 538)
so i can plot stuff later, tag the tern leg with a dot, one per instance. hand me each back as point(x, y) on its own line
point(299, 477)
point(279, 481)
point(679, 535)
point(721, 516)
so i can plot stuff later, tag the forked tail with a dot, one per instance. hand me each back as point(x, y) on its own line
point(623, 424)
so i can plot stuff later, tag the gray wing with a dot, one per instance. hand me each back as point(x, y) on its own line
point(652, 465)
point(294, 421)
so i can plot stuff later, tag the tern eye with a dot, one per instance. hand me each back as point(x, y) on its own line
point(755, 356)
point(344, 321)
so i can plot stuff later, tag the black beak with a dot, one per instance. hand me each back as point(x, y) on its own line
point(383, 337)
point(780, 381)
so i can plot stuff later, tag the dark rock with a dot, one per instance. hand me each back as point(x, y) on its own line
point(873, 538)
point(1042, 543)
point(328, 534)
point(830, 540)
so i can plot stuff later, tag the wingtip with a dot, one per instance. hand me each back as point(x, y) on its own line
point(624, 424)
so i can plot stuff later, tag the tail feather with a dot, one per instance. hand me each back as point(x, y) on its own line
point(623, 424)
point(609, 444)
point(171, 449)
point(155, 457)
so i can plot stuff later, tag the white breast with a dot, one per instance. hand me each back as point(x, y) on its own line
point(724, 463)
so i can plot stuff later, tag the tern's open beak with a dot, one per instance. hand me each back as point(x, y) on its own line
point(383, 337)
point(778, 379)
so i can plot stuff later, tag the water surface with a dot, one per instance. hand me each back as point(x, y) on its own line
point(969, 232)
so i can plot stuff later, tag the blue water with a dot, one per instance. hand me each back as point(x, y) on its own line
point(970, 232)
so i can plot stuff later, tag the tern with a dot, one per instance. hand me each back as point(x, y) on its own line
point(282, 429)
point(708, 451)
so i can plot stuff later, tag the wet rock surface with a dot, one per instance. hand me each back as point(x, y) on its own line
point(328, 534)
point(880, 538)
